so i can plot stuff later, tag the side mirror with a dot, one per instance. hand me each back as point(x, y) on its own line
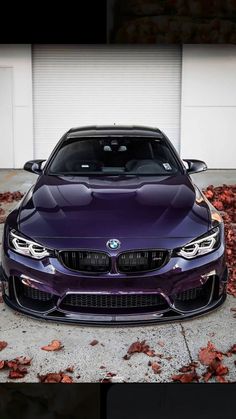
point(34, 166)
point(195, 166)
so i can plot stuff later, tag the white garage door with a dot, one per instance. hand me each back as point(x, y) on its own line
point(84, 85)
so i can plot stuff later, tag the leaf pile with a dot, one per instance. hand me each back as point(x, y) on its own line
point(17, 367)
point(7, 198)
point(211, 358)
point(224, 200)
point(53, 377)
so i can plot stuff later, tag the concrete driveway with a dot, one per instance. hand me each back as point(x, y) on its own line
point(179, 343)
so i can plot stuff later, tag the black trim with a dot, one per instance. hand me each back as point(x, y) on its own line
point(60, 318)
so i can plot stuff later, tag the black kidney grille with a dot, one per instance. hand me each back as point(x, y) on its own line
point(140, 261)
point(86, 261)
point(107, 301)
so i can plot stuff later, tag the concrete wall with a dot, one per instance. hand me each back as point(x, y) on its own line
point(18, 57)
point(208, 114)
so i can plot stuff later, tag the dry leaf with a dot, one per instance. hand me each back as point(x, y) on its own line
point(2, 364)
point(186, 378)
point(208, 354)
point(94, 342)
point(3, 345)
point(139, 347)
point(156, 368)
point(66, 379)
point(55, 345)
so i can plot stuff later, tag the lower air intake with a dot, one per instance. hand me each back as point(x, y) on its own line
point(107, 301)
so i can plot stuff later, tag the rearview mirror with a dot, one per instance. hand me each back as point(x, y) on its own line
point(195, 166)
point(34, 166)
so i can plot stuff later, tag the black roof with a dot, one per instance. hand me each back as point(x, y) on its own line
point(114, 130)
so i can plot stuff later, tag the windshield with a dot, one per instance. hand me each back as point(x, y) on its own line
point(114, 156)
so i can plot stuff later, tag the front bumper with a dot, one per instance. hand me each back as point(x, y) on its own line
point(176, 284)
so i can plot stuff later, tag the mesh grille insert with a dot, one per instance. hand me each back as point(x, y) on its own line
point(113, 301)
point(190, 294)
point(36, 294)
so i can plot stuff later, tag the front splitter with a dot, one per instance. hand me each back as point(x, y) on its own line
point(116, 320)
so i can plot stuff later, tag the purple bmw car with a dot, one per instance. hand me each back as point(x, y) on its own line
point(114, 231)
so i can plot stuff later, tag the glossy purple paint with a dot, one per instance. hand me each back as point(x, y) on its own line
point(157, 208)
point(143, 212)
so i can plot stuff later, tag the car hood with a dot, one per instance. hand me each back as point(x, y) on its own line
point(113, 207)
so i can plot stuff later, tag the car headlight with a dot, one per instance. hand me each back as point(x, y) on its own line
point(26, 247)
point(205, 244)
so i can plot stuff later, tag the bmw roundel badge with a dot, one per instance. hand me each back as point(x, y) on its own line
point(113, 244)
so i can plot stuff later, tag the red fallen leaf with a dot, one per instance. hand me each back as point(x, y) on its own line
point(186, 378)
point(215, 369)
point(11, 364)
point(231, 288)
point(218, 205)
point(17, 373)
point(94, 342)
point(221, 370)
point(208, 354)
point(189, 368)
point(53, 377)
point(18, 362)
point(70, 369)
point(2, 364)
point(209, 194)
point(207, 375)
point(66, 379)
point(150, 353)
point(136, 347)
point(8, 197)
point(50, 378)
point(3, 345)
point(55, 345)
point(23, 360)
point(156, 368)
point(20, 368)
point(139, 347)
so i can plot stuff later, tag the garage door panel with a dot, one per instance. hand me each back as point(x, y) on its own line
point(80, 85)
